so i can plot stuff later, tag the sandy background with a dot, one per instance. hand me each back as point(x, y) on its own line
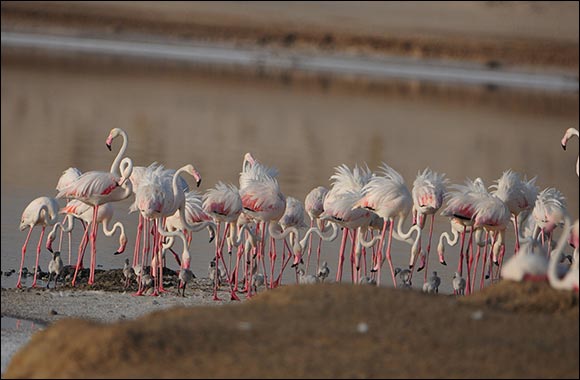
point(315, 331)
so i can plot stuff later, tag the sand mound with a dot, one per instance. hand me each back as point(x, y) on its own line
point(325, 330)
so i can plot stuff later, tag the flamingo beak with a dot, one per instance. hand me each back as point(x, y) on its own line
point(563, 146)
point(198, 182)
point(108, 146)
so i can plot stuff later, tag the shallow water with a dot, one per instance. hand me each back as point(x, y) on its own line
point(54, 118)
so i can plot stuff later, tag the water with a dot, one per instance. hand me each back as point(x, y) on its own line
point(55, 117)
point(15, 333)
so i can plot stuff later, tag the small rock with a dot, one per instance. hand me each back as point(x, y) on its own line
point(477, 315)
point(362, 328)
point(244, 326)
point(53, 312)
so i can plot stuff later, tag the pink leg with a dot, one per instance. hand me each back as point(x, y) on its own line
point(81, 254)
point(461, 248)
point(469, 258)
point(138, 241)
point(379, 255)
point(94, 246)
point(482, 280)
point(429, 247)
point(38, 256)
point(19, 283)
point(309, 247)
point(389, 254)
point(286, 261)
point(517, 245)
point(341, 254)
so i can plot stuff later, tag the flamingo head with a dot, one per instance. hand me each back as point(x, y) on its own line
point(114, 133)
point(249, 161)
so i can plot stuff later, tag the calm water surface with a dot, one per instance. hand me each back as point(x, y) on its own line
point(54, 118)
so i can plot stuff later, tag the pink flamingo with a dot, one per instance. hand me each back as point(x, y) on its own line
point(428, 192)
point(224, 205)
point(314, 205)
point(518, 196)
point(262, 200)
point(84, 212)
point(461, 209)
point(293, 217)
point(42, 211)
point(493, 215)
point(389, 198)
point(67, 177)
point(567, 136)
point(158, 197)
point(340, 207)
point(549, 212)
point(97, 188)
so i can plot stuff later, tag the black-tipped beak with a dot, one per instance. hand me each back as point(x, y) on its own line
point(411, 267)
point(117, 253)
point(211, 238)
point(496, 263)
point(443, 262)
point(198, 183)
point(108, 146)
point(49, 249)
point(563, 146)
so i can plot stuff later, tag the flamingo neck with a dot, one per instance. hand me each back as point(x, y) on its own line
point(115, 167)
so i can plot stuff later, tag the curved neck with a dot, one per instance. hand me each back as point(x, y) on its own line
point(115, 170)
point(365, 243)
point(555, 256)
point(185, 258)
point(315, 230)
point(110, 231)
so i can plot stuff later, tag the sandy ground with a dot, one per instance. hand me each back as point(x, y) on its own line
point(327, 330)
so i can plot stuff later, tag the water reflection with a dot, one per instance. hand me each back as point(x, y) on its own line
point(54, 118)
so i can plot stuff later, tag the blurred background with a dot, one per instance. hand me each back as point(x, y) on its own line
point(469, 89)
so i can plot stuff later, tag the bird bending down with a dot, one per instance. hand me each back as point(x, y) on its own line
point(42, 211)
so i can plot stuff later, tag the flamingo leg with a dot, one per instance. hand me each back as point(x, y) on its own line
point(389, 253)
point(19, 283)
point(341, 254)
point(309, 247)
point(379, 255)
point(38, 256)
point(81, 254)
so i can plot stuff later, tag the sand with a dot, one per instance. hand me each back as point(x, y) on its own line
point(324, 330)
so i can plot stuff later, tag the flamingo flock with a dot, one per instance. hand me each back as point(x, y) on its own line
point(368, 208)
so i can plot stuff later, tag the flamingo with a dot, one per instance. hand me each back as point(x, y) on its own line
point(98, 188)
point(493, 215)
point(458, 284)
point(84, 212)
point(67, 177)
point(42, 211)
point(262, 200)
point(185, 276)
point(389, 198)
point(461, 209)
point(128, 272)
point(567, 136)
point(340, 208)
point(518, 196)
point(429, 190)
point(323, 271)
point(54, 266)
point(314, 205)
point(293, 217)
point(224, 204)
point(432, 284)
point(527, 265)
point(549, 212)
point(158, 197)
point(306, 279)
